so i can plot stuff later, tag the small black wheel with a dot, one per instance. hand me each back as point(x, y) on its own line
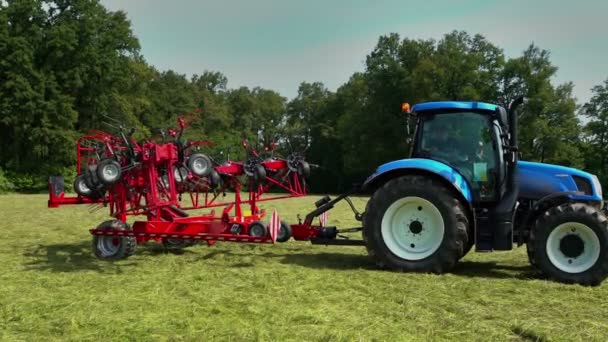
point(199, 164)
point(81, 187)
point(180, 174)
point(569, 244)
point(214, 179)
point(169, 243)
point(415, 223)
point(259, 174)
point(258, 229)
point(113, 247)
point(284, 232)
point(304, 169)
point(90, 177)
point(108, 171)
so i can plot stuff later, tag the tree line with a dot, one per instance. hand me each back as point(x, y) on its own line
point(67, 65)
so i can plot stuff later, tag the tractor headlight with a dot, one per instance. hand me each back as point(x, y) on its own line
point(597, 185)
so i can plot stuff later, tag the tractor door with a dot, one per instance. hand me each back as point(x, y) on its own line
point(468, 142)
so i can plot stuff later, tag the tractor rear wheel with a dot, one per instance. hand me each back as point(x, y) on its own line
point(113, 247)
point(569, 244)
point(414, 223)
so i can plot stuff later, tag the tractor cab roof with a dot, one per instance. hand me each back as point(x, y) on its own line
point(457, 105)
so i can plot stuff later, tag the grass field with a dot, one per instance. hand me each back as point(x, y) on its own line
point(52, 288)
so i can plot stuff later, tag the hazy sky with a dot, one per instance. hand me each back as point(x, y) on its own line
point(277, 44)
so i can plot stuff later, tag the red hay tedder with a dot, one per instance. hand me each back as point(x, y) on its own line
point(149, 179)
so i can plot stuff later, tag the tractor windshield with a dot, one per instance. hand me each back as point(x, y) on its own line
point(464, 141)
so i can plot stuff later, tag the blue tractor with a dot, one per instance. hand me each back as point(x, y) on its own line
point(464, 186)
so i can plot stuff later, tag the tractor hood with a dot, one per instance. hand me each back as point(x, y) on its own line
point(537, 180)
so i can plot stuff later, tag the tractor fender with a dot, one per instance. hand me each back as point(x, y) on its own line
point(417, 165)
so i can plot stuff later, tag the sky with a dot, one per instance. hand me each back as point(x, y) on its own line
point(277, 44)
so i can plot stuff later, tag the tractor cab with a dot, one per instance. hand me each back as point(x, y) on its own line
point(478, 143)
point(471, 138)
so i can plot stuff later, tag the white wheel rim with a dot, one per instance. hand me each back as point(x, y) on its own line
point(412, 228)
point(82, 187)
point(180, 174)
point(108, 245)
point(573, 263)
point(199, 166)
point(110, 172)
point(256, 230)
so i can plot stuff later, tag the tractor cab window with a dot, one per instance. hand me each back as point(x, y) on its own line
point(464, 141)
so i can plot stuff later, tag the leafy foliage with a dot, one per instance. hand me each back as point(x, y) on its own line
point(67, 64)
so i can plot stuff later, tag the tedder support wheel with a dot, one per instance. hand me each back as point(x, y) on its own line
point(304, 169)
point(108, 171)
point(90, 177)
point(113, 247)
point(568, 243)
point(414, 223)
point(199, 164)
point(81, 187)
point(284, 232)
point(258, 229)
point(259, 174)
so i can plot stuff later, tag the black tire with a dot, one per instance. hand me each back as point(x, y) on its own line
point(90, 177)
point(174, 244)
point(214, 179)
point(304, 169)
point(451, 210)
point(259, 174)
point(284, 232)
point(258, 229)
point(113, 247)
point(469, 245)
point(180, 174)
point(530, 252)
point(108, 171)
point(586, 221)
point(199, 164)
point(81, 187)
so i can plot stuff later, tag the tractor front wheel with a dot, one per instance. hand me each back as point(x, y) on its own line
point(568, 243)
point(414, 223)
point(111, 247)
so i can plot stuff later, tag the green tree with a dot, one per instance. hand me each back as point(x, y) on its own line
point(63, 65)
point(549, 128)
point(596, 131)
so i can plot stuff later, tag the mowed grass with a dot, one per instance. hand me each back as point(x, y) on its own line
point(52, 288)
